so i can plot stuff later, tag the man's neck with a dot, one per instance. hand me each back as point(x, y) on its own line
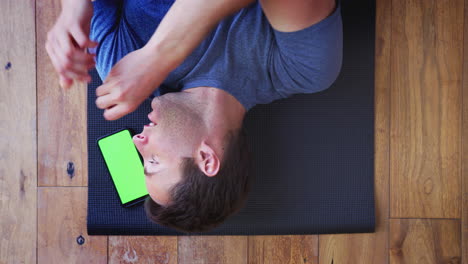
point(220, 109)
point(222, 113)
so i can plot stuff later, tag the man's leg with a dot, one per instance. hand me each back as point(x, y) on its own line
point(143, 17)
point(104, 25)
point(121, 27)
point(106, 16)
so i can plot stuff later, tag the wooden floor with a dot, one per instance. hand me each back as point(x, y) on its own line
point(421, 154)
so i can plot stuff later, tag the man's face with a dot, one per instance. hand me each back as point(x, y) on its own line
point(174, 132)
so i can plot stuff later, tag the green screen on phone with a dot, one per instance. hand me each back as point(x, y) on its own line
point(124, 165)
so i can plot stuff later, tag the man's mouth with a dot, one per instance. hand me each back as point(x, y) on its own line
point(150, 124)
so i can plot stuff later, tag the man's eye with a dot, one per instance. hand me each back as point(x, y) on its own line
point(153, 162)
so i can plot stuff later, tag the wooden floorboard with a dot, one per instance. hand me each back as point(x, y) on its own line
point(18, 145)
point(421, 151)
point(212, 249)
point(424, 241)
point(294, 249)
point(372, 248)
point(62, 225)
point(62, 138)
point(426, 65)
point(143, 249)
point(465, 143)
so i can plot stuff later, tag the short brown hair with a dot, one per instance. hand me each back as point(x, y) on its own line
point(200, 203)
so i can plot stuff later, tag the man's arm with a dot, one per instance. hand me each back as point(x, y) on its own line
point(294, 15)
point(182, 29)
point(186, 24)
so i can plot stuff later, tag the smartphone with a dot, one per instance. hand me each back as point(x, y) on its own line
point(125, 166)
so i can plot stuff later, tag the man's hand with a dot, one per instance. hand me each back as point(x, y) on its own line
point(67, 42)
point(130, 82)
point(139, 73)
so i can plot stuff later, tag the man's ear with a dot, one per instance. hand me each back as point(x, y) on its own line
point(208, 161)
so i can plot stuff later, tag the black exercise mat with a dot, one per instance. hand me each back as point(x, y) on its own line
point(314, 155)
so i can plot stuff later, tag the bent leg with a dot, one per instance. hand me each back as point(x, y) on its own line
point(121, 27)
point(106, 16)
point(104, 25)
point(144, 16)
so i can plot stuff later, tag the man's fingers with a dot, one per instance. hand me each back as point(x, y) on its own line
point(81, 38)
point(114, 109)
point(53, 56)
point(80, 62)
point(65, 45)
point(65, 82)
point(72, 53)
point(68, 55)
point(116, 112)
point(106, 101)
point(83, 58)
point(71, 70)
point(103, 89)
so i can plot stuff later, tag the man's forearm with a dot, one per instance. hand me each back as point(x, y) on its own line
point(71, 3)
point(70, 7)
point(185, 26)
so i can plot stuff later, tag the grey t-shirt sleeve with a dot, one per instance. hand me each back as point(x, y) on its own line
point(308, 60)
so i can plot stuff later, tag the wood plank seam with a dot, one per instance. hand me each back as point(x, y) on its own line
point(248, 250)
point(318, 246)
point(433, 218)
point(263, 251)
point(37, 140)
point(389, 124)
point(463, 89)
point(464, 139)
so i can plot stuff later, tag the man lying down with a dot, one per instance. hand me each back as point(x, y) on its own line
point(206, 63)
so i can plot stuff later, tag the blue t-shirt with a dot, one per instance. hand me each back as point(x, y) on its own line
point(243, 55)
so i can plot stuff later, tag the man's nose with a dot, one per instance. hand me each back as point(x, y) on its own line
point(140, 139)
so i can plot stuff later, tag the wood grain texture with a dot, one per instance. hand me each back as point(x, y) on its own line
point(143, 249)
point(421, 72)
point(425, 169)
point(424, 241)
point(18, 145)
point(61, 115)
point(212, 249)
point(465, 143)
point(372, 248)
point(61, 220)
point(283, 249)
point(354, 248)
